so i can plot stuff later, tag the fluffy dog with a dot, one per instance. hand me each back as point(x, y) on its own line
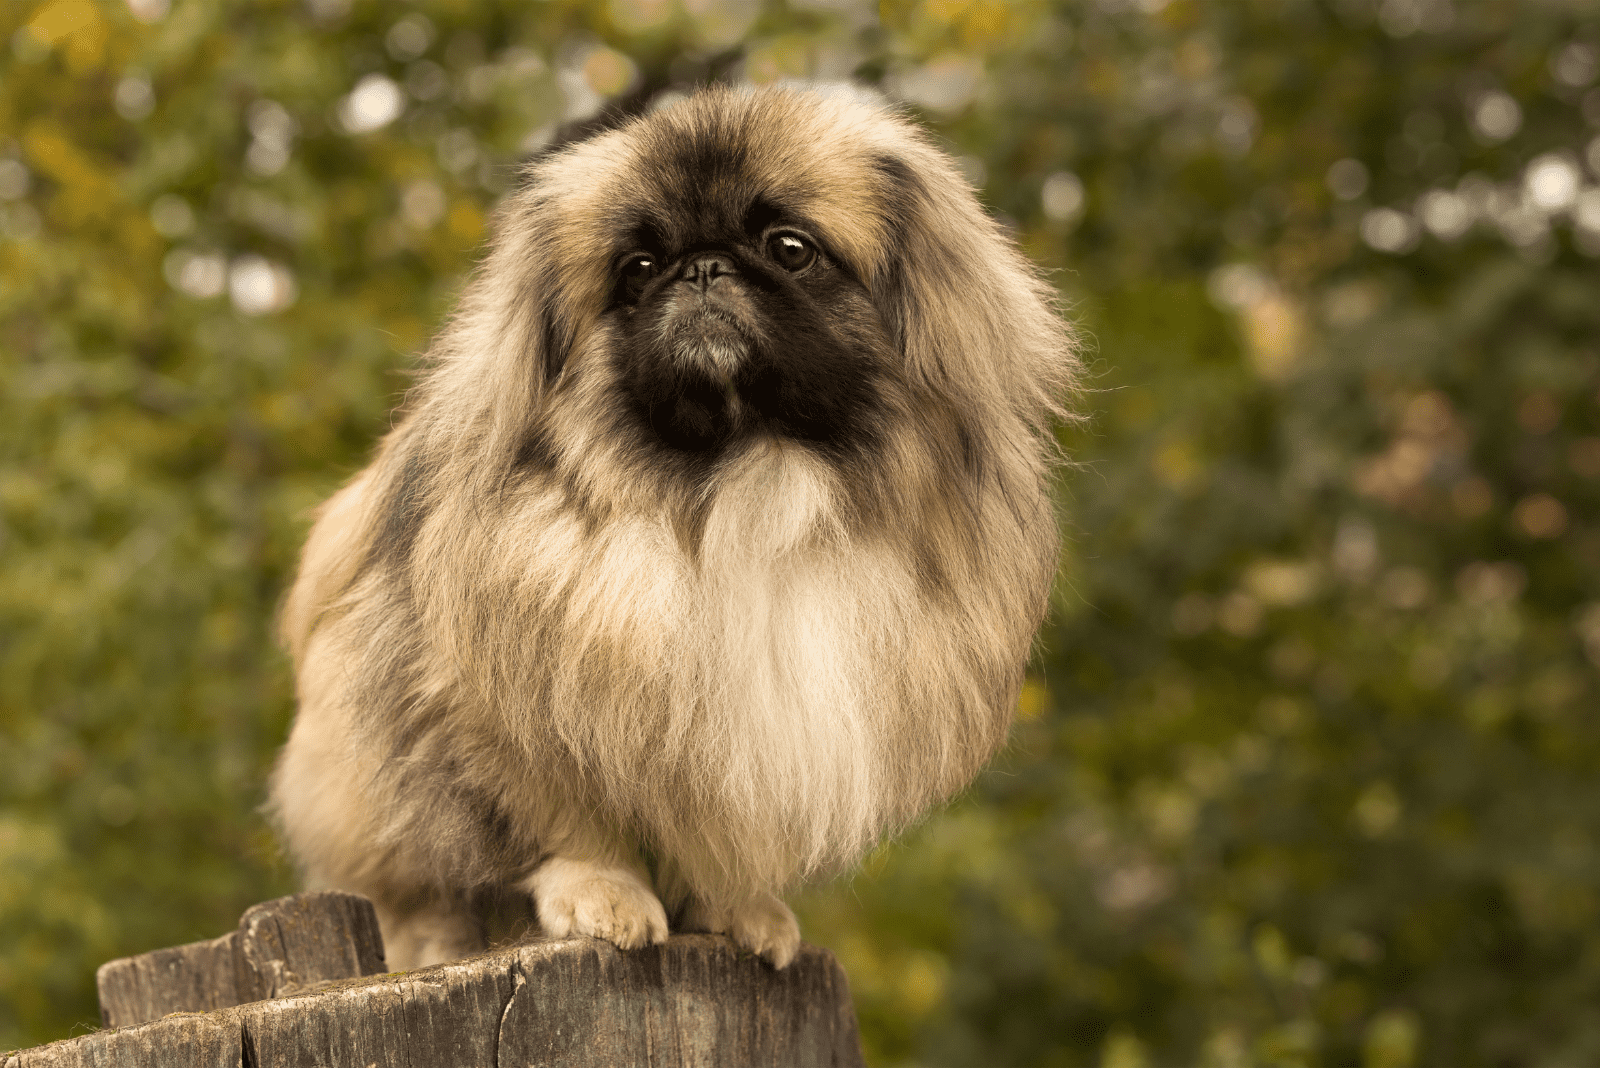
point(708, 550)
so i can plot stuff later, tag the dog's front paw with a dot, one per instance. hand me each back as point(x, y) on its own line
point(576, 897)
point(762, 924)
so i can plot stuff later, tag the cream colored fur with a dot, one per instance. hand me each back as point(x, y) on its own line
point(633, 696)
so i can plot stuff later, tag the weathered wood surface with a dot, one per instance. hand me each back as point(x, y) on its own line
point(279, 947)
point(697, 1000)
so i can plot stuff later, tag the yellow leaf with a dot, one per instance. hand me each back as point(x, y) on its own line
point(58, 157)
point(1033, 700)
point(58, 18)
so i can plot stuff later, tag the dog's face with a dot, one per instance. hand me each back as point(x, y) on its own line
point(729, 270)
point(736, 318)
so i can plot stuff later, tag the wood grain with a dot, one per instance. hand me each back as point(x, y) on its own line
point(578, 1003)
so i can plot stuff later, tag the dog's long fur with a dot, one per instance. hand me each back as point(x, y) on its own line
point(539, 648)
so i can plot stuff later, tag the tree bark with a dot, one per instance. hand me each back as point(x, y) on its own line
point(279, 947)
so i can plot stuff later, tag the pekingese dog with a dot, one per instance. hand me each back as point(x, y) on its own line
point(708, 551)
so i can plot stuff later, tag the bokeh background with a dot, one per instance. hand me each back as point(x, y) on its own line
point(1306, 771)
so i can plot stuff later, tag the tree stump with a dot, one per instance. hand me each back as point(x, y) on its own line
point(293, 986)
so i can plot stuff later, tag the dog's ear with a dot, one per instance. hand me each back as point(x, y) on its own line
point(556, 332)
point(496, 365)
point(970, 314)
point(511, 321)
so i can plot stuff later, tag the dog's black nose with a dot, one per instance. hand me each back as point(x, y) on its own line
point(702, 270)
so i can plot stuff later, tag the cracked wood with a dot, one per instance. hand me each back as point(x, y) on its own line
point(696, 1000)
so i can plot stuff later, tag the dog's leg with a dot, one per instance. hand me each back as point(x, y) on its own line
point(437, 929)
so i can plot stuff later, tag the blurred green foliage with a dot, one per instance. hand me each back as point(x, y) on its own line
point(1306, 773)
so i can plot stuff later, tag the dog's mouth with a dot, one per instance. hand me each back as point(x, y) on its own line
point(711, 330)
point(710, 341)
point(714, 371)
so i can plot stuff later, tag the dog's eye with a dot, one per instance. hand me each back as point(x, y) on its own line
point(634, 274)
point(791, 252)
point(639, 268)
